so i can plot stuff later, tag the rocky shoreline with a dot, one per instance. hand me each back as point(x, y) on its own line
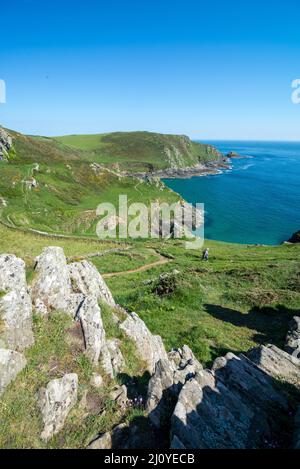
point(182, 173)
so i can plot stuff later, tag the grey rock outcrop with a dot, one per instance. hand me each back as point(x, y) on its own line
point(16, 318)
point(5, 143)
point(241, 374)
point(117, 359)
point(104, 441)
point(149, 346)
point(86, 279)
point(74, 289)
point(166, 383)
point(11, 363)
point(185, 364)
point(119, 394)
point(12, 273)
point(237, 404)
point(292, 344)
point(15, 306)
point(51, 289)
point(94, 334)
point(96, 381)
point(277, 363)
point(55, 403)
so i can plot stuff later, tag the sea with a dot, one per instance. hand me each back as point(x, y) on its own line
point(257, 200)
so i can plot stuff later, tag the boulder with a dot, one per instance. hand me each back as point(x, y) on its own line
point(12, 273)
point(16, 320)
point(55, 403)
point(150, 347)
point(51, 289)
point(86, 279)
point(292, 344)
point(11, 363)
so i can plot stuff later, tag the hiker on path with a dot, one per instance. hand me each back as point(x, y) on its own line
point(205, 254)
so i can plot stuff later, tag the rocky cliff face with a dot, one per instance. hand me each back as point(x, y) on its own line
point(5, 144)
point(241, 402)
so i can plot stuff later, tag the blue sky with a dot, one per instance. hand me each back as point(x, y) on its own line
point(211, 70)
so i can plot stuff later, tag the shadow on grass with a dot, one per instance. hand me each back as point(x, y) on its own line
point(269, 322)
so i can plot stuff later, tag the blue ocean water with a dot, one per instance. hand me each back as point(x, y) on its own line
point(255, 202)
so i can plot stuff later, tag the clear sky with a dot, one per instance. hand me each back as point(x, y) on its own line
point(208, 69)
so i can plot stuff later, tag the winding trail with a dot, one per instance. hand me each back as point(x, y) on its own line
point(142, 268)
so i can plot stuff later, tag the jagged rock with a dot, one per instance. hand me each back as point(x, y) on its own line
point(16, 320)
point(5, 143)
point(105, 360)
point(150, 347)
point(86, 279)
point(96, 381)
point(292, 345)
point(161, 391)
point(121, 437)
point(208, 415)
point(117, 359)
point(51, 289)
point(186, 364)
point(15, 307)
point(55, 403)
point(167, 381)
point(12, 273)
point(104, 441)
point(11, 363)
point(119, 394)
point(236, 405)
point(92, 327)
point(277, 363)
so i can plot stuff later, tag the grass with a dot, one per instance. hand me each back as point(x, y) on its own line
point(66, 196)
point(241, 298)
point(140, 151)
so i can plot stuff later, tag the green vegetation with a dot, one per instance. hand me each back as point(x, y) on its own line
point(55, 185)
point(141, 151)
point(243, 296)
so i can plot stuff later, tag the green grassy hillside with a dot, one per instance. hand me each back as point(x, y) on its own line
point(141, 151)
point(49, 186)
